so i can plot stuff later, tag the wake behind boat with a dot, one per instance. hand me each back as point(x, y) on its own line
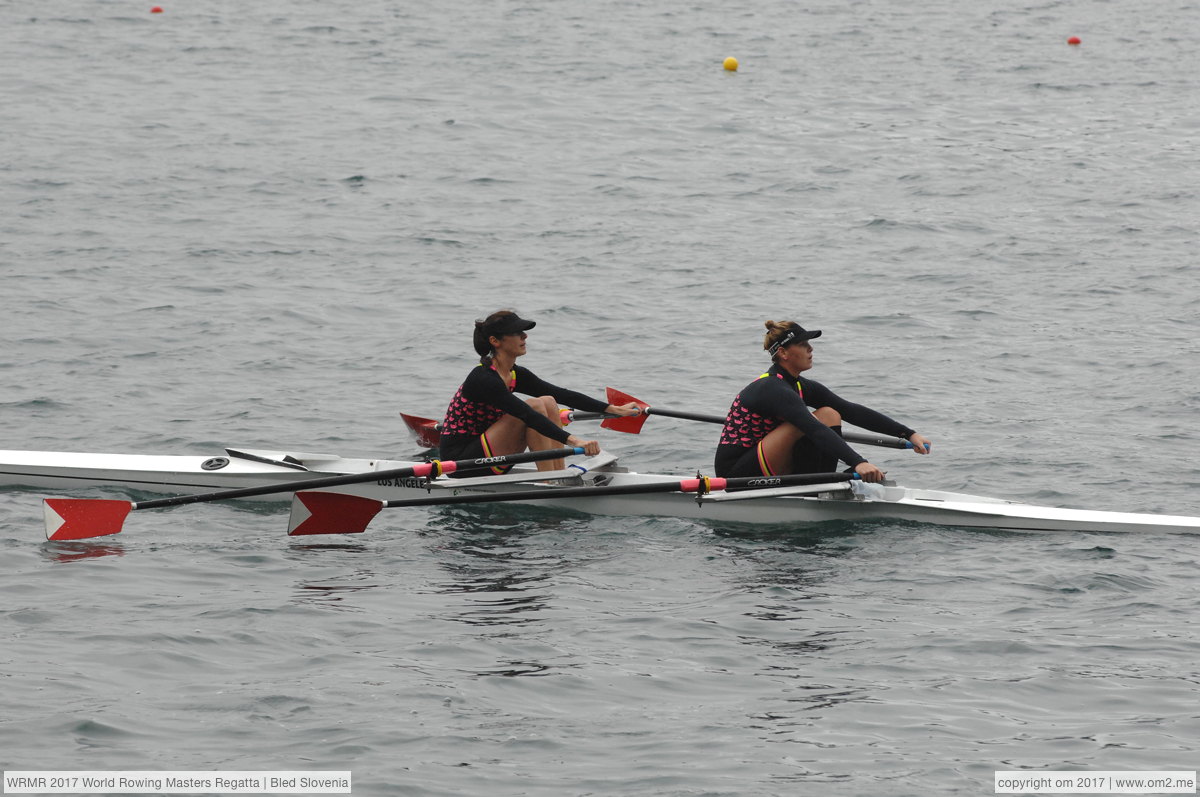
point(595, 485)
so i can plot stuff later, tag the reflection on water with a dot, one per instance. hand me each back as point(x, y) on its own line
point(801, 719)
point(517, 610)
point(790, 584)
point(330, 596)
point(519, 669)
point(330, 593)
point(73, 551)
point(789, 561)
point(821, 537)
point(505, 563)
point(488, 557)
point(351, 547)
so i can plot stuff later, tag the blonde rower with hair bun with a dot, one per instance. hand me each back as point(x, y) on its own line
point(771, 430)
point(776, 331)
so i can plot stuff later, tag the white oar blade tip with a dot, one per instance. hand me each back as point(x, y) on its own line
point(331, 513)
point(83, 518)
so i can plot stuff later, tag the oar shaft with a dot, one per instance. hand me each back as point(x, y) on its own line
point(697, 485)
point(423, 469)
point(849, 437)
point(687, 416)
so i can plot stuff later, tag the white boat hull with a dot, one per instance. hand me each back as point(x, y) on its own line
point(185, 475)
point(858, 503)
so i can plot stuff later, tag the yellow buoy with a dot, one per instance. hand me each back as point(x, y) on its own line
point(731, 64)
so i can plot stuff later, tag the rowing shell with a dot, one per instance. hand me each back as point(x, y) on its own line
point(845, 502)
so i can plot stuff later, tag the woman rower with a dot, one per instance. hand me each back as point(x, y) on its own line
point(770, 430)
point(485, 419)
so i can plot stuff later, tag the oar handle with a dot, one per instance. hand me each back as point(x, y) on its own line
point(434, 468)
point(875, 440)
point(575, 415)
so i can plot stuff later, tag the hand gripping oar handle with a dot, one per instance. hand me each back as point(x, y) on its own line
point(333, 513)
point(82, 518)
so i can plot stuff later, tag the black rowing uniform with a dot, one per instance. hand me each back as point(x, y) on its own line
point(775, 398)
point(485, 397)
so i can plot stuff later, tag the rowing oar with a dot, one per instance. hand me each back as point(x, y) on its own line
point(633, 423)
point(428, 431)
point(82, 518)
point(338, 513)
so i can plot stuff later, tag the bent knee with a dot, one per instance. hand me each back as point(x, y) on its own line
point(828, 416)
point(546, 405)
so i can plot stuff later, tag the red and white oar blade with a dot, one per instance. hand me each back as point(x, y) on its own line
point(83, 518)
point(631, 424)
point(423, 429)
point(331, 513)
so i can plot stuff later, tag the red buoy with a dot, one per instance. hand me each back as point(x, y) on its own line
point(156, 10)
point(1073, 40)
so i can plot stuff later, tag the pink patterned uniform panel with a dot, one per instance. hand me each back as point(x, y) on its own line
point(745, 428)
point(464, 416)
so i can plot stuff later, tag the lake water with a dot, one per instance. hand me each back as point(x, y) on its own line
point(271, 225)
